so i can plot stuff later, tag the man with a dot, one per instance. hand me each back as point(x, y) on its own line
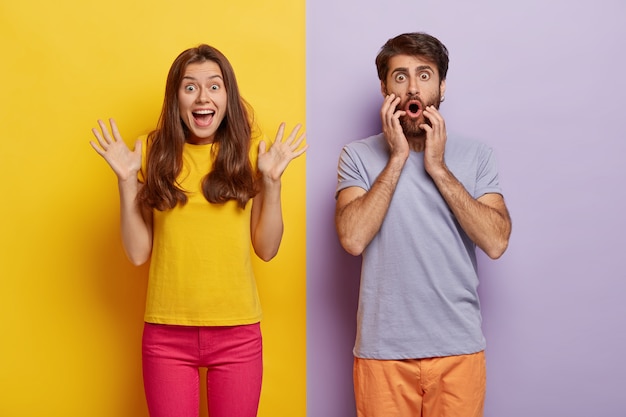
point(415, 204)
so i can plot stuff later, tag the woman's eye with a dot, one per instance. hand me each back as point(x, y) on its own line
point(190, 88)
point(215, 87)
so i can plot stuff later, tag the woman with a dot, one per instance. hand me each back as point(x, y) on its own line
point(185, 194)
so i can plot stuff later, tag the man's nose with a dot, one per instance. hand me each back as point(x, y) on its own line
point(413, 89)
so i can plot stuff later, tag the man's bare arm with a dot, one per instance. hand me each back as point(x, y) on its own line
point(486, 220)
point(359, 213)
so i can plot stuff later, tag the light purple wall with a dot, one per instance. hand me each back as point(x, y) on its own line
point(544, 83)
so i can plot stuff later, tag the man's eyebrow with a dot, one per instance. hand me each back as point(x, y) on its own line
point(424, 67)
point(418, 69)
point(400, 69)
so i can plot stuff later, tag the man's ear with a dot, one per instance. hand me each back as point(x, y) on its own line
point(442, 87)
point(383, 89)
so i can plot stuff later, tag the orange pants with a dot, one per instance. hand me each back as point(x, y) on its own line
point(451, 386)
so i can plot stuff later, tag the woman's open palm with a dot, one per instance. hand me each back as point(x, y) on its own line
point(273, 162)
point(124, 162)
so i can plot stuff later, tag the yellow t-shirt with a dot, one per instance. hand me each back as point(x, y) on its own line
point(201, 270)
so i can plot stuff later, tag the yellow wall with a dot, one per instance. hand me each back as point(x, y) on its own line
point(71, 305)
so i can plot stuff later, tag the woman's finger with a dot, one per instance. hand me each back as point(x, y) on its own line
point(296, 144)
point(115, 130)
point(279, 134)
point(294, 133)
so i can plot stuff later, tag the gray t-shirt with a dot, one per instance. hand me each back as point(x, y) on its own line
point(418, 295)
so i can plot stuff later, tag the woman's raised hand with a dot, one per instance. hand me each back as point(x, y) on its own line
point(124, 162)
point(273, 162)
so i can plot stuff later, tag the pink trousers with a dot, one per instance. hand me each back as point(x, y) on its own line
point(172, 356)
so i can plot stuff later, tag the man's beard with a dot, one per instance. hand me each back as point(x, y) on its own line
point(411, 126)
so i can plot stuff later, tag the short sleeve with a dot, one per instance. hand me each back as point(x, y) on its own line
point(487, 173)
point(349, 171)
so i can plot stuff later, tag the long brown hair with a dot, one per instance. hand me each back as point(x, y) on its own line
point(232, 176)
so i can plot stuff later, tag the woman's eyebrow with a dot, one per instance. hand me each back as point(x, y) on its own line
point(190, 77)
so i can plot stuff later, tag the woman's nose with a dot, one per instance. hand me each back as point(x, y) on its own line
point(203, 95)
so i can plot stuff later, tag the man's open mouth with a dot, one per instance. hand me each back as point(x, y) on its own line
point(413, 108)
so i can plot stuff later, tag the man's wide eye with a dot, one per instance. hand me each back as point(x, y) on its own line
point(424, 76)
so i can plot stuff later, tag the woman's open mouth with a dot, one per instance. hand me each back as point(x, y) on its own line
point(203, 118)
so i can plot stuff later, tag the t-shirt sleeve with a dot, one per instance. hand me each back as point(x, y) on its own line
point(349, 171)
point(487, 174)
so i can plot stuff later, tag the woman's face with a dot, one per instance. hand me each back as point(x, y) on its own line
point(202, 101)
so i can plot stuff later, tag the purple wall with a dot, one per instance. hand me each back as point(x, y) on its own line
point(544, 83)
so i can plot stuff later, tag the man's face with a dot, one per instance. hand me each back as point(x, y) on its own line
point(416, 81)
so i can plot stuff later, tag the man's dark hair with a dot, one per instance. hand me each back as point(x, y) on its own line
point(413, 44)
